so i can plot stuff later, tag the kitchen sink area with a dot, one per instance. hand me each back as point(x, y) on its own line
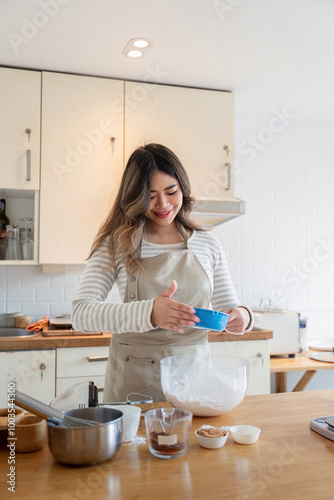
point(10, 332)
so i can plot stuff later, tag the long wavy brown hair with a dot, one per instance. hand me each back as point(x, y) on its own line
point(124, 226)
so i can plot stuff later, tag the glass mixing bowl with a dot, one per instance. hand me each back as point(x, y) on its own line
point(207, 385)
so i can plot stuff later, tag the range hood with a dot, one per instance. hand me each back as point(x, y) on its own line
point(211, 213)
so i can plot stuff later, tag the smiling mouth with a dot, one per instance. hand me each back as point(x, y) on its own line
point(162, 215)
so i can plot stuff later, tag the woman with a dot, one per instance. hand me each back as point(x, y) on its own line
point(164, 265)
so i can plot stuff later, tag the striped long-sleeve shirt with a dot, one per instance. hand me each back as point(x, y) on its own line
point(92, 313)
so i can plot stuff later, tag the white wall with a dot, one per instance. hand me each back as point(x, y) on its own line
point(282, 248)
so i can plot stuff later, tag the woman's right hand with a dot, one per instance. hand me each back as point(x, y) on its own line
point(169, 314)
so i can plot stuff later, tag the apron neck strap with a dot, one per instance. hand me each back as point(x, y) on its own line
point(183, 233)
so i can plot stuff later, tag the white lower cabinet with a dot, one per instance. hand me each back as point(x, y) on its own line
point(33, 373)
point(257, 353)
point(81, 364)
point(44, 374)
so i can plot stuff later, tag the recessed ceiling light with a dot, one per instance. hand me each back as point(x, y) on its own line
point(131, 48)
point(134, 54)
point(141, 43)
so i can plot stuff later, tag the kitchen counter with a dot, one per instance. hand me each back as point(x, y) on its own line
point(86, 340)
point(288, 461)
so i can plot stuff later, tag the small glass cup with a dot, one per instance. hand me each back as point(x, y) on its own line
point(168, 431)
point(27, 244)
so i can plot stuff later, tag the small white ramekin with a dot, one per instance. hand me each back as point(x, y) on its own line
point(211, 442)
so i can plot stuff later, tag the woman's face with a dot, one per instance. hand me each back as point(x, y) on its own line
point(166, 199)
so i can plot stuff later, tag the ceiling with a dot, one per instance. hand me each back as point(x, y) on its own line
point(271, 53)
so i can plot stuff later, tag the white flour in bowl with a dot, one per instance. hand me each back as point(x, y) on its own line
point(207, 396)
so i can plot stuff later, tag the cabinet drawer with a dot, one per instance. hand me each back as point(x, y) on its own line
point(74, 361)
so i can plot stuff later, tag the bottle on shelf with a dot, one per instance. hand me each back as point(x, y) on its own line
point(4, 221)
point(13, 251)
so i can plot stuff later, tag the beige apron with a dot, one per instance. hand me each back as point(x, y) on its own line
point(134, 358)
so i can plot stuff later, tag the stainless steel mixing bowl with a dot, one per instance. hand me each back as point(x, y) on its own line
point(87, 445)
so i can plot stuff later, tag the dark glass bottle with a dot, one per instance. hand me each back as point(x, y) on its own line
point(4, 221)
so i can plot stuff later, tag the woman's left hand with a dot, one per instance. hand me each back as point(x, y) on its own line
point(238, 320)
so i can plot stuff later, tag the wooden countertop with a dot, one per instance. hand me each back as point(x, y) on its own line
point(85, 340)
point(280, 364)
point(289, 461)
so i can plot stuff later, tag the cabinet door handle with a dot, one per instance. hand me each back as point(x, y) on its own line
point(112, 141)
point(28, 164)
point(229, 176)
point(260, 356)
point(92, 359)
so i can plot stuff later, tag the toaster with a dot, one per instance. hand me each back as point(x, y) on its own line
point(285, 327)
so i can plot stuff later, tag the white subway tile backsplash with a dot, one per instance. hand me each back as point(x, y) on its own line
point(20, 294)
point(316, 128)
point(32, 277)
point(70, 294)
point(13, 276)
point(247, 245)
point(324, 141)
point(2, 300)
point(58, 308)
point(11, 307)
point(294, 140)
point(263, 268)
point(251, 231)
point(35, 309)
point(256, 293)
point(296, 127)
point(247, 267)
point(252, 255)
point(253, 280)
point(3, 277)
point(263, 244)
point(49, 294)
point(330, 129)
point(64, 280)
point(234, 267)
point(273, 280)
point(233, 243)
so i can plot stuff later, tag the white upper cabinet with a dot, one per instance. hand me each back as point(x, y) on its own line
point(81, 162)
point(20, 104)
point(198, 125)
point(69, 136)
